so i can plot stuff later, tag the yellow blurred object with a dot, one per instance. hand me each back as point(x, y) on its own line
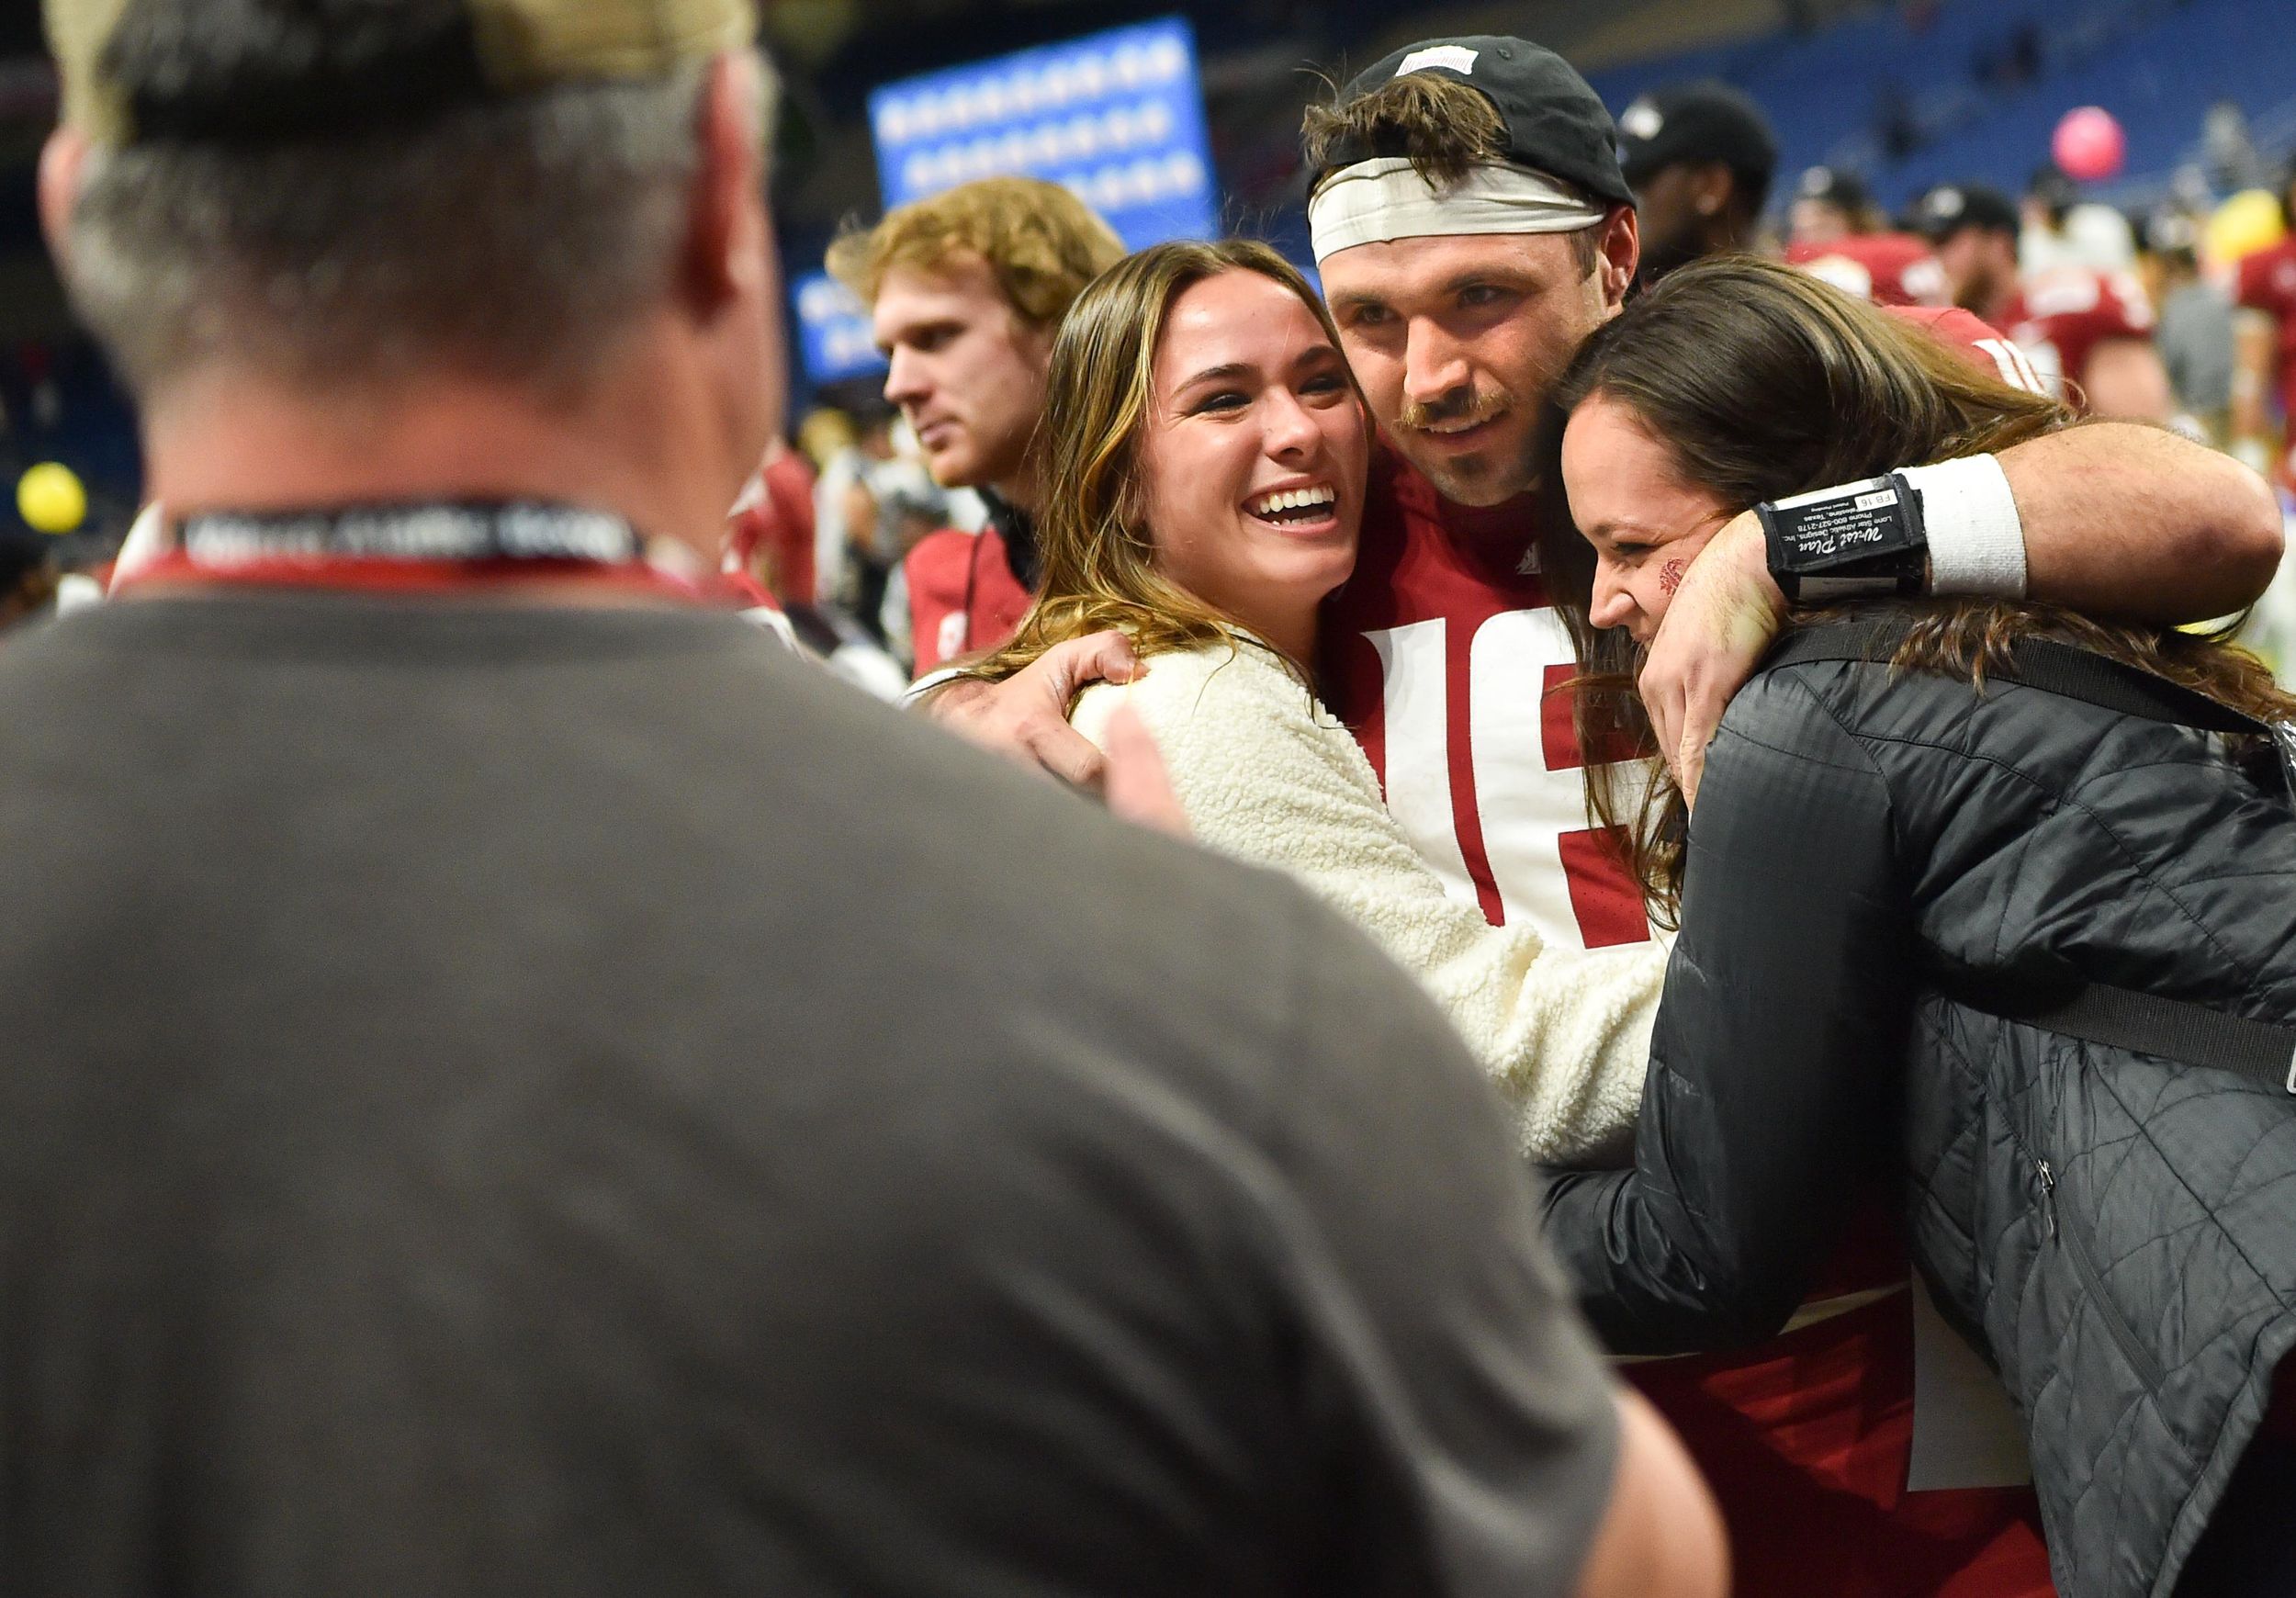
point(2248, 221)
point(51, 498)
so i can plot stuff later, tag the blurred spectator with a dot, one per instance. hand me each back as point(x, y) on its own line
point(1830, 203)
point(2060, 229)
point(2265, 342)
point(769, 535)
point(1839, 238)
point(1699, 156)
point(28, 576)
point(2195, 333)
point(845, 514)
point(2227, 154)
point(37, 362)
point(2086, 334)
point(1895, 123)
point(874, 499)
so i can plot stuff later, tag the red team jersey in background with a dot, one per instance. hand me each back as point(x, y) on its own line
point(963, 598)
point(2267, 282)
point(1442, 654)
point(775, 514)
point(2060, 317)
point(1887, 268)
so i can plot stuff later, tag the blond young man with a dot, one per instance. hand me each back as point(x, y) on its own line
point(964, 290)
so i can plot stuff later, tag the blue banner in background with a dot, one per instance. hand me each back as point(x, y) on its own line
point(1118, 118)
point(835, 341)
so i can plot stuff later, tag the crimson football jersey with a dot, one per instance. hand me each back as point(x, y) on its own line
point(2061, 315)
point(1887, 268)
point(1443, 653)
point(2267, 282)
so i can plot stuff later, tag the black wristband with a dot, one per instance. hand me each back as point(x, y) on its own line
point(1862, 540)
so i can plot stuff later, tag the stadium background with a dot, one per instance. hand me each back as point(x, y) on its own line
point(1908, 94)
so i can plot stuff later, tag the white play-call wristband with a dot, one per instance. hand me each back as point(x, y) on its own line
point(1977, 539)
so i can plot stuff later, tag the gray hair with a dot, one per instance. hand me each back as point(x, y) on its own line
point(513, 238)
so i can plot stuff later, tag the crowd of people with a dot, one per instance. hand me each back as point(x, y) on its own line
point(2150, 316)
point(1661, 960)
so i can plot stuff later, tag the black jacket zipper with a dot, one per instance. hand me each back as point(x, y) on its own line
point(2132, 1347)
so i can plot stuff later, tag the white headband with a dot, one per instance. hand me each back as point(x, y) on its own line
point(1374, 202)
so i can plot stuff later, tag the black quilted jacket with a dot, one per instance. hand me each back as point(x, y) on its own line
point(2116, 1232)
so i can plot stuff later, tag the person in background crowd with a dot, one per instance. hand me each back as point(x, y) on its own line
point(769, 535)
point(826, 432)
point(841, 519)
point(1839, 237)
point(2058, 228)
point(448, 1206)
point(2088, 334)
point(2043, 1023)
point(1699, 157)
point(28, 576)
point(1205, 494)
point(875, 500)
point(1461, 273)
point(965, 290)
point(2265, 356)
point(1830, 203)
point(2228, 155)
point(2194, 336)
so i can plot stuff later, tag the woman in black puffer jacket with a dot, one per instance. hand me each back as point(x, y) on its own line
point(1967, 900)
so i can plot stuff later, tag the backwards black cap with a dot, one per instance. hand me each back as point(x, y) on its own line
point(1553, 123)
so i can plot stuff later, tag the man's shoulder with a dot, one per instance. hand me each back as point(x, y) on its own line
point(776, 797)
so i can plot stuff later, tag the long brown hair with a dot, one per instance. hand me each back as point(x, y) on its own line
point(1100, 565)
point(1762, 382)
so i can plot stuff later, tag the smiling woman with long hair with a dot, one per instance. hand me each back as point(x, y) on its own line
point(1988, 912)
point(1207, 485)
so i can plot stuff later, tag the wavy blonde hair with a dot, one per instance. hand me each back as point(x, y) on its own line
point(1098, 560)
point(1042, 244)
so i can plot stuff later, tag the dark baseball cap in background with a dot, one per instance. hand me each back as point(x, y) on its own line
point(1695, 124)
point(1835, 185)
point(1949, 208)
point(125, 77)
point(1554, 122)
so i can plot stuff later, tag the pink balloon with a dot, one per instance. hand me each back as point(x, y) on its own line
point(2088, 144)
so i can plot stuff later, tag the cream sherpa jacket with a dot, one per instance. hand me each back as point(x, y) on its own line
point(1266, 774)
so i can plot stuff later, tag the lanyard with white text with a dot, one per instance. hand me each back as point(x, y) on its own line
point(414, 549)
